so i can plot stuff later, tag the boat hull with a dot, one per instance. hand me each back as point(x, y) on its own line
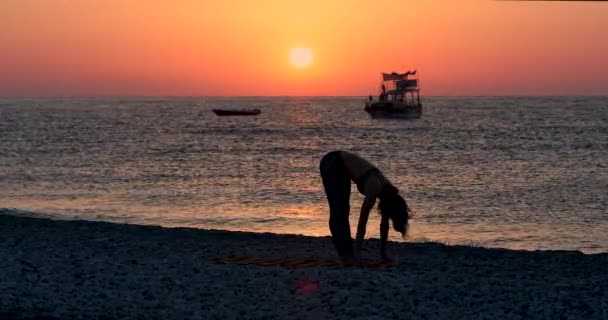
point(253, 112)
point(396, 110)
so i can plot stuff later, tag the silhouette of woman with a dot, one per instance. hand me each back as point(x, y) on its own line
point(338, 169)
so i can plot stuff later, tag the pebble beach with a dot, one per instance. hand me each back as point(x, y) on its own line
point(53, 269)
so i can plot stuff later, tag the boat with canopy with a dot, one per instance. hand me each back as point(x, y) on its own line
point(399, 97)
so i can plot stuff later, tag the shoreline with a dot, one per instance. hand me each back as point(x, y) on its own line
point(411, 239)
point(74, 269)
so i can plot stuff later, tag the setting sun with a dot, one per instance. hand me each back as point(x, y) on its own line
point(301, 57)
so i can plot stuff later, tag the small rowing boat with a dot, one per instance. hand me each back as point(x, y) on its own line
point(239, 112)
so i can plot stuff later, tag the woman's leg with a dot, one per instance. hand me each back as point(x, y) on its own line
point(337, 188)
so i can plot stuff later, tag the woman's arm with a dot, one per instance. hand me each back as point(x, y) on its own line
point(384, 237)
point(366, 207)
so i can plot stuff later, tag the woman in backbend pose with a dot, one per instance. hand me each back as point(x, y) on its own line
point(338, 168)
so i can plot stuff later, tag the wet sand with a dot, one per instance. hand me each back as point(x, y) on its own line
point(94, 270)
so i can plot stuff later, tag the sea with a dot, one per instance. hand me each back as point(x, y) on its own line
point(507, 172)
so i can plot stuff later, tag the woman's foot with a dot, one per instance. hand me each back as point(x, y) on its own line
point(350, 261)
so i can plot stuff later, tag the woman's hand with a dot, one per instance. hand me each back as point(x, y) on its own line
point(357, 250)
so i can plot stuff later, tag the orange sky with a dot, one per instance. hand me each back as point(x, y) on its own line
point(199, 47)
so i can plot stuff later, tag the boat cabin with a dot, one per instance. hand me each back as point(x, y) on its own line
point(396, 86)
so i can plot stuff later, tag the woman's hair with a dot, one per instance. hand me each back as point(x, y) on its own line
point(393, 206)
